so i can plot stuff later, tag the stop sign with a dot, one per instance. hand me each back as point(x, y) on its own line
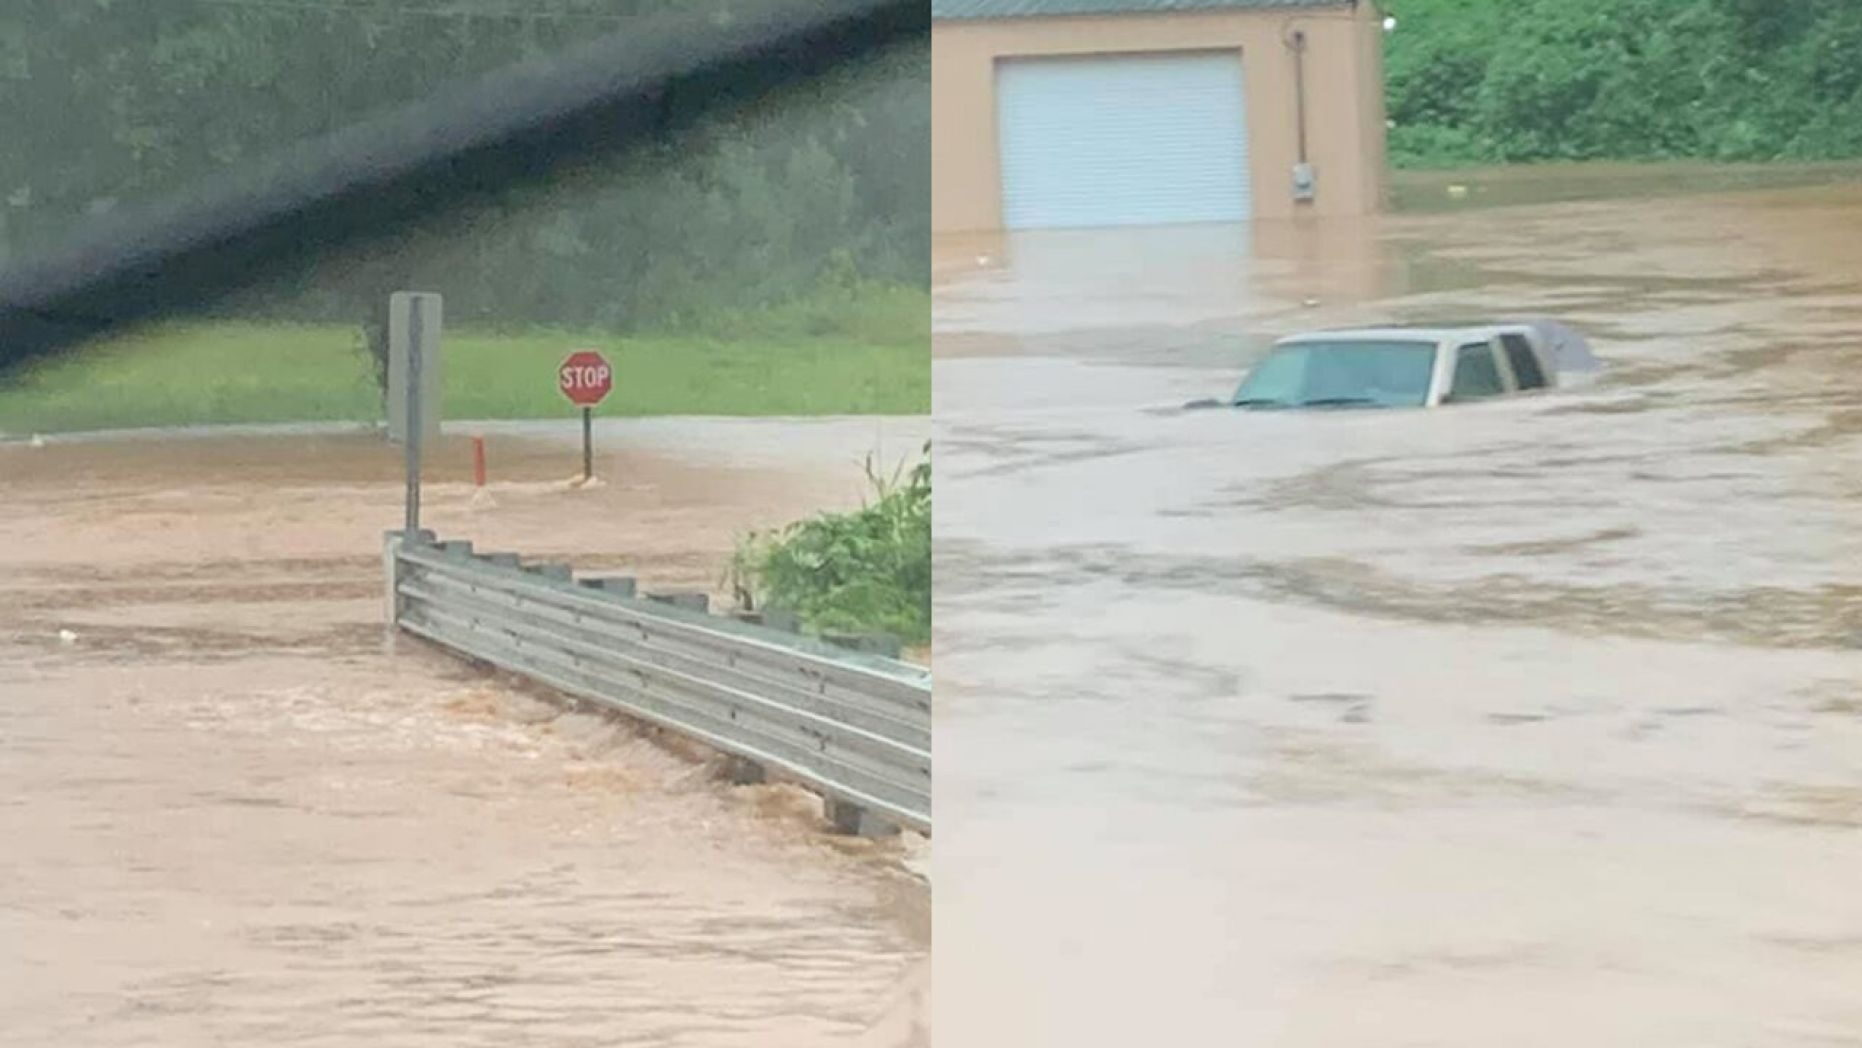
point(585, 378)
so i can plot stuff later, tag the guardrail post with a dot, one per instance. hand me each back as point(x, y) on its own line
point(855, 821)
point(619, 585)
point(392, 543)
point(694, 601)
point(742, 771)
point(871, 643)
point(391, 573)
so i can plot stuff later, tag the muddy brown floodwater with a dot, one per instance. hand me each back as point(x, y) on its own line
point(236, 811)
point(1534, 723)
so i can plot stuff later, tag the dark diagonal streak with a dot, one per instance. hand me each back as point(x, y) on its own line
point(380, 178)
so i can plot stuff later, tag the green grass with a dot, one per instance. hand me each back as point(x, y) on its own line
point(233, 372)
point(196, 374)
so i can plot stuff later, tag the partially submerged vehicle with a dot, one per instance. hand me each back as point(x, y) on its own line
point(1413, 367)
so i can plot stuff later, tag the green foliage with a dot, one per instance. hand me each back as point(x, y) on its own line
point(851, 309)
point(868, 570)
point(105, 104)
point(1509, 81)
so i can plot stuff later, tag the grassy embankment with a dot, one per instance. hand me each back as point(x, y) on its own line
point(871, 358)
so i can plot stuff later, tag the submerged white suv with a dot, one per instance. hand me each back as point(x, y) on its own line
point(1412, 367)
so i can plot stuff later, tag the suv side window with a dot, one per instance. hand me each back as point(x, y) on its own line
point(1525, 362)
point(1476, 374)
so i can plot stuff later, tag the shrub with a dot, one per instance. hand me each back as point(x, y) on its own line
point(869, 570)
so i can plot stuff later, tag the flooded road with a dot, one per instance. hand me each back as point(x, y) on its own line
point(1527, 723)
point(236, 811)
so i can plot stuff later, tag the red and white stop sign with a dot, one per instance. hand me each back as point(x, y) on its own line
point(585, 378)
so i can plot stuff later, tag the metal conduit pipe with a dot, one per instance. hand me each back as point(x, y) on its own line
point(1304, 183)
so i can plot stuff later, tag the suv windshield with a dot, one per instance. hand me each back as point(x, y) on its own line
point(1344, 373)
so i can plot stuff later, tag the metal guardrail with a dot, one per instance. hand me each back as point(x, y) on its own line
point(854, 727)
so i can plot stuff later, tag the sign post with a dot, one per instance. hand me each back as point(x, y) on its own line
point(588, 444)
point(586, 379)
point(413, 384)
point(412, 422)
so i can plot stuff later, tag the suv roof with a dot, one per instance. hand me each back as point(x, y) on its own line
point(1395, 334)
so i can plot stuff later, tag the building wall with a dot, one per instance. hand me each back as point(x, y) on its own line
point(1344, 99)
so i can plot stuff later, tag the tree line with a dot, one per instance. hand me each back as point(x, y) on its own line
point(1507, 81)
point(109, 103)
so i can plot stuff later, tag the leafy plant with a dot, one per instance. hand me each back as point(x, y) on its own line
point(869, 570)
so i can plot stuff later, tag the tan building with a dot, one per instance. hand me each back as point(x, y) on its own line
point(1082, 113)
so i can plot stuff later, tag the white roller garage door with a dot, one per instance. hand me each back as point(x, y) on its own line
point(1109, 140)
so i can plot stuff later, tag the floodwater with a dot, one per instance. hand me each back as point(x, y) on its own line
point(237, 811)
point(1529, 723)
